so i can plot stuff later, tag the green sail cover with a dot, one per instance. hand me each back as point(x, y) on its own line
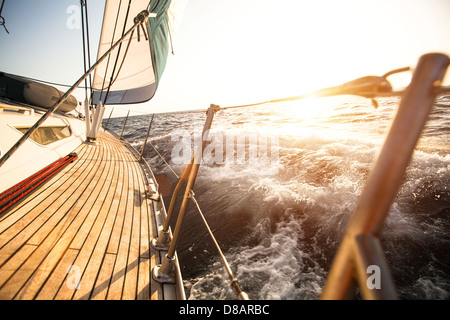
point(159, 36)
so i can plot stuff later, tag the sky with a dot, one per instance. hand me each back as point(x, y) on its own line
point(233, 52)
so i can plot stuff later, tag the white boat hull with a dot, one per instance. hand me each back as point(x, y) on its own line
point(33, 156)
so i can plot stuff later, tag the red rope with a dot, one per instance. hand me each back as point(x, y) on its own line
point(20, 190)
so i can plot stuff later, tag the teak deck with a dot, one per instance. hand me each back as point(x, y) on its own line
point(84, 234)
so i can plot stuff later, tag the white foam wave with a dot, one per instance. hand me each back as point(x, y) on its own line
point(277, 268)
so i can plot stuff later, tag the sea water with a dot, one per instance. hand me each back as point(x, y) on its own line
point(280, 228)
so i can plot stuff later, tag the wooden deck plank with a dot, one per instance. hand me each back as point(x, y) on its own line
point(81, 199)
point(90, 259)
point(25, 228)
point(94, 217)
point(27, 212)
point(144, 276)
point(131, 277)
point(92, 212)
point(122, 264)
point(80, 210)
point(15, 262)
point(26, 208)
point(59, 277)
point(113, 245)
point(116, 277)
point(56, 237)
point(105, 272)
point(49, 187)
point(104, 277)
point(56, 277)
point(100, 202)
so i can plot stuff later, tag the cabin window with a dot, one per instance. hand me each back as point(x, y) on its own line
point(46, 135)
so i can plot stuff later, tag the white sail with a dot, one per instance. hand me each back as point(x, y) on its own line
point(133, 70)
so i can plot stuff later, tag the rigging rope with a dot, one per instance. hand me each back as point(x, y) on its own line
point(88, 44)
point(233, 281)
point(82, 3)
point(118, 51)
point(109, 56)
point(121, 64)
point(438, 90)
point(368, 87)
point(2, 19)
point(173, 171)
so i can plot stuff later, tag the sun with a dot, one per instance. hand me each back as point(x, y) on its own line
point(305, 117)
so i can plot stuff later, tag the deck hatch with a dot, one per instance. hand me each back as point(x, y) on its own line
point(48, 134)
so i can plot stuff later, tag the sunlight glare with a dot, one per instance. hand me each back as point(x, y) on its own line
point(306, 116)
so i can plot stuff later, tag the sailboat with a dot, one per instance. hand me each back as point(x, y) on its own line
point(81, 215)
